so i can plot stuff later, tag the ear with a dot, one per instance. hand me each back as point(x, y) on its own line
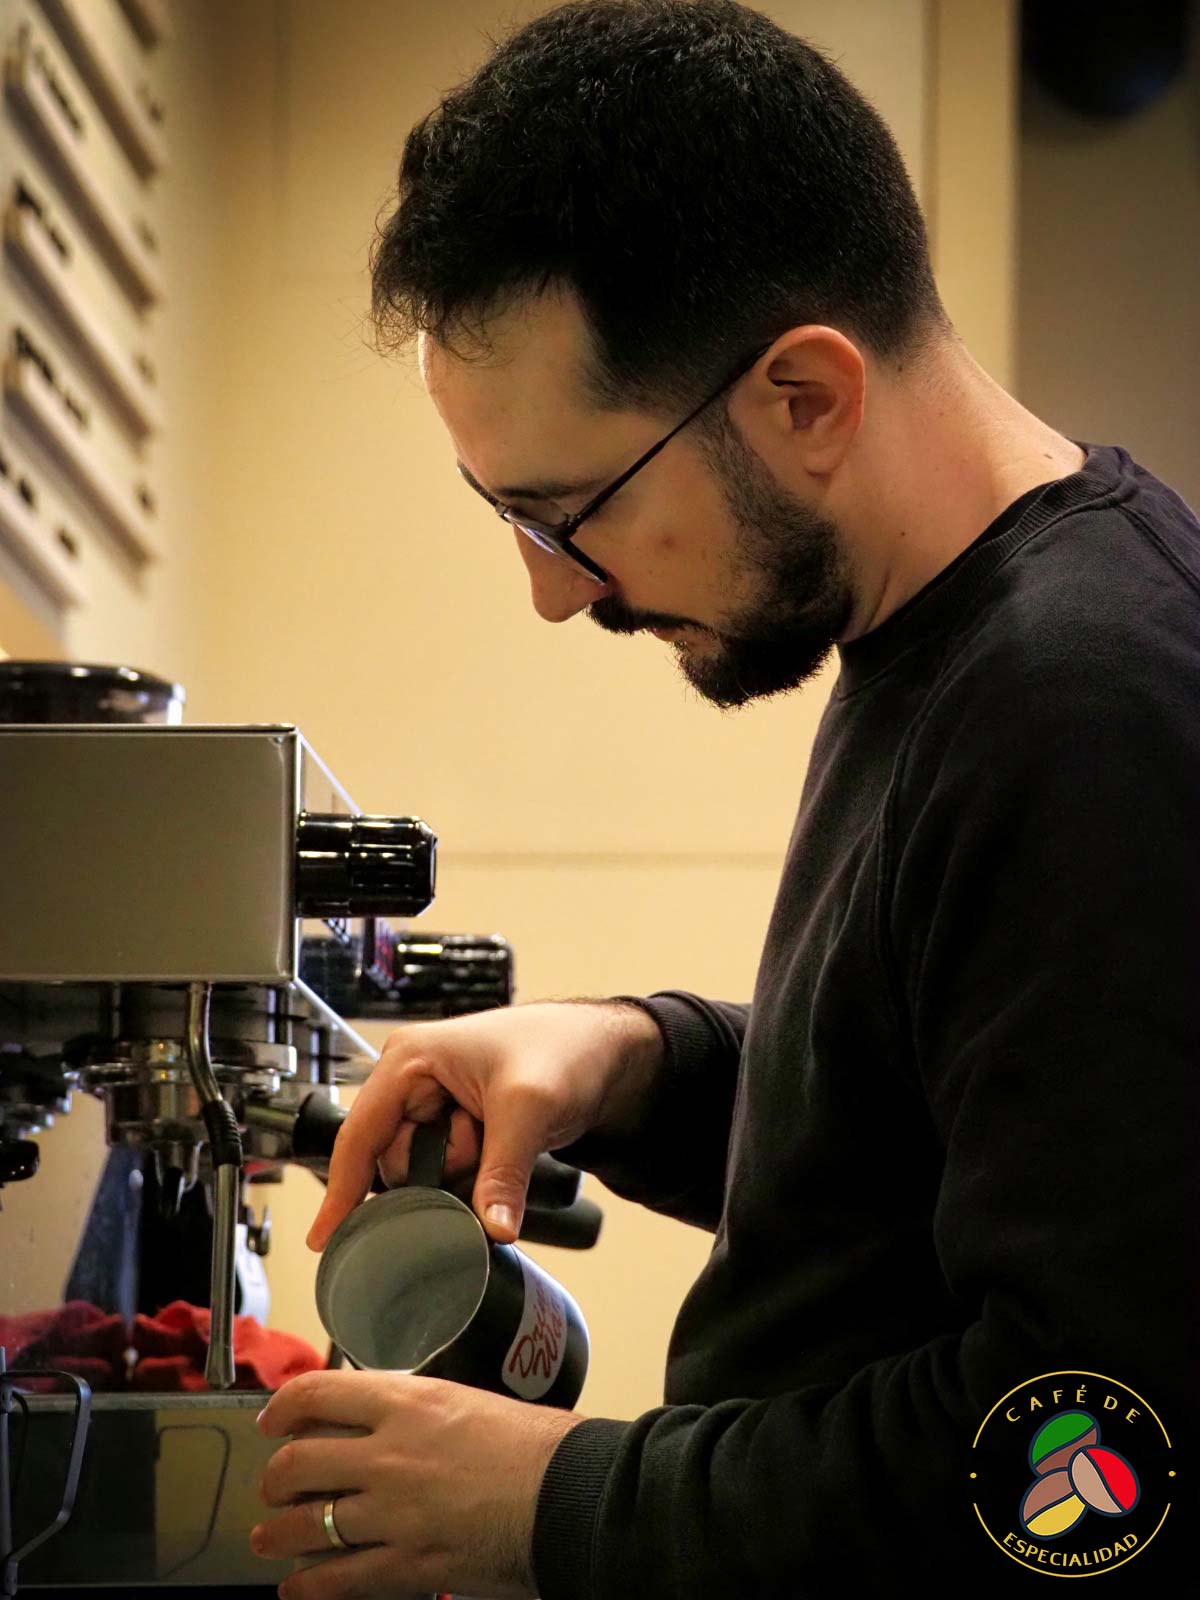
point(805, 395)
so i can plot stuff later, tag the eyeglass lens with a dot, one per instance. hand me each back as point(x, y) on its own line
point(544, 540)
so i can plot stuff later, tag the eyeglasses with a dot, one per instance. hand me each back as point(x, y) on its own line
point(557, 537)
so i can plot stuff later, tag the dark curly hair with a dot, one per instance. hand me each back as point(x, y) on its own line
point(702, 179)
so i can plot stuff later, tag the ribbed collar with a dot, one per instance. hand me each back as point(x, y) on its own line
point(934, 608)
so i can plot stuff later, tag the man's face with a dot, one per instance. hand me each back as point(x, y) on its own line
point(746, 580)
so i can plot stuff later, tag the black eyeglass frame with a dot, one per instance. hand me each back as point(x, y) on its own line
point(557, 537)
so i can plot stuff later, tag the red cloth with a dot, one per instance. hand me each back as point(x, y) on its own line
point(171, 1348)
point(77, 1337)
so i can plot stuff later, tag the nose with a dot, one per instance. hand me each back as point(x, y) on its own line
point(559, 589)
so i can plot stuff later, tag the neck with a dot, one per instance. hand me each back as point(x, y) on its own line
point(942, 451)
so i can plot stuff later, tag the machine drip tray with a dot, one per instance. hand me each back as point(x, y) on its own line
point(167, 1495)
point(183, 1592)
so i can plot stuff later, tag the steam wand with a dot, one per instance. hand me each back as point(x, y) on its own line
point(225, 1147)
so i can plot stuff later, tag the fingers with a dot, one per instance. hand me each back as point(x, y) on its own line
point(369, 1130)
point(462, 1149)
point(351, 1399)
point(307, 1466)
point(393, 1162)
point(513, 1138)
point(361, 1139)
point(301, 1530)
point(464, 1145)
point(503, 1138)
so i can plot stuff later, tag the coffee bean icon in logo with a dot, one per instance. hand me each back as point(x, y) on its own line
point(1105, 1480)
point(1051, 1505)
point(1056, 1441)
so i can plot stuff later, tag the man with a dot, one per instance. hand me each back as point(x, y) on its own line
point(676, 312)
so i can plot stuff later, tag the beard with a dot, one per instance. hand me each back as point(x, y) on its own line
point(802, 593)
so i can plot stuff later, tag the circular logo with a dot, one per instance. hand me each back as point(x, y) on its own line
point(1071, 1474)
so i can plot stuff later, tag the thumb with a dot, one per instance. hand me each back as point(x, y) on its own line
point(512, 1143)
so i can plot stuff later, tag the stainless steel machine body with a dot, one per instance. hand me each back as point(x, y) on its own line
point(151, 943)
point(188, 915)
point(163, 854)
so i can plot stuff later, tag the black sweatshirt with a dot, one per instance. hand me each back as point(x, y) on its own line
point(950, 1146)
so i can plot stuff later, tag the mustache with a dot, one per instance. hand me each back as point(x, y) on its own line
point(614, 616)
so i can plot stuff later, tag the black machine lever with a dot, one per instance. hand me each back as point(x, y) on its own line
point(575, 1227)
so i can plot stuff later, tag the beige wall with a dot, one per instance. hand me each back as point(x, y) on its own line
point(327, 567)
point(1109, 315)
point(971, 181)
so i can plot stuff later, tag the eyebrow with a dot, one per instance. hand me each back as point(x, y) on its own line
point(547, 489)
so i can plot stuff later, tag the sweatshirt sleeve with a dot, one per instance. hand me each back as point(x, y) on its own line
point(675, 1161)
point(1039, 930)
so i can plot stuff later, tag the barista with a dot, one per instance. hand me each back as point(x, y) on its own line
point(676, 313)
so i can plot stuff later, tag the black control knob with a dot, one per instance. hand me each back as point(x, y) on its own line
point(411, 976)
point(363, 866)
point(18, 1159)
point(450, 974)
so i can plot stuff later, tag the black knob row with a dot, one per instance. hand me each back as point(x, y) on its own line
point(411, 976)
point(363, 866)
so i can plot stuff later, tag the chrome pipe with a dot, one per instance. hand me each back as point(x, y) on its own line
point(219, 1367)
point(227, 1172)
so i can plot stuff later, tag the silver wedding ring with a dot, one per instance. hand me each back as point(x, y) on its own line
point(335, 1537)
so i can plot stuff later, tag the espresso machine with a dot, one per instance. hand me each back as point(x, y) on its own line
point(191, 918)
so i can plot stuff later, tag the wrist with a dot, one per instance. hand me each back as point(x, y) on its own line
point(548, 1428)
point(641, 1053)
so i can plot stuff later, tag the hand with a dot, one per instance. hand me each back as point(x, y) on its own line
point(533, 1077)
point(442, 1490)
